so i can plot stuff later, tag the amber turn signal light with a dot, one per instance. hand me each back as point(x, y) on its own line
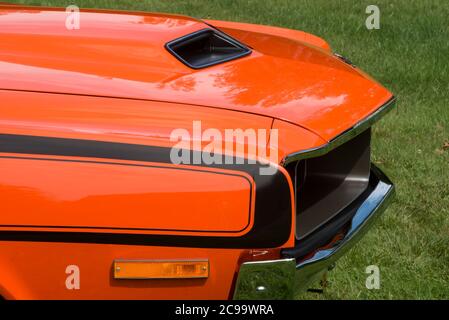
point(156, 269)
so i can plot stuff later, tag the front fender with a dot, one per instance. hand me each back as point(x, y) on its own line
point(11, 285)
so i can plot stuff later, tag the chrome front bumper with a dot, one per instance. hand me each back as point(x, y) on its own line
point(282, 279)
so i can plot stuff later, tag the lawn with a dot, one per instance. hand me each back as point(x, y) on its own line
point(410, 55)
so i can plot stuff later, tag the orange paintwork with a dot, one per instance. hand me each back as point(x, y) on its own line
point(293, 138)
point(258, 33)
point(113, 81)
point(123, 196)
point(283, 78)
point(117, 120)
point(33, 270)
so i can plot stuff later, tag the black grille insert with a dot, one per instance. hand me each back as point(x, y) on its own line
point(328, 184)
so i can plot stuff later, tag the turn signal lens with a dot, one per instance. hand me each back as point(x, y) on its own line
point(152, 269)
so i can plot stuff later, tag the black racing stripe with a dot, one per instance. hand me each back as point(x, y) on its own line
point(272, 219)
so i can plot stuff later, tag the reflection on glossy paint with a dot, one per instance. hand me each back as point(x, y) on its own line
point(282, 78)
point(121, 196)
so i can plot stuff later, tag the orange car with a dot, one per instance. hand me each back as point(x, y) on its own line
point(155, 156)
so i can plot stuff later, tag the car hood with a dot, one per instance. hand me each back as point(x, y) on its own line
point(122, 55)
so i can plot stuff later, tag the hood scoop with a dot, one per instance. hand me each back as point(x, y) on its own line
point(206, 48)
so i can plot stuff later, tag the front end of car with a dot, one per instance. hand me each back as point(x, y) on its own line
point(339, 193)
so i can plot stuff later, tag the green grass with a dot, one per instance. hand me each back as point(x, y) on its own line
point(409, 55)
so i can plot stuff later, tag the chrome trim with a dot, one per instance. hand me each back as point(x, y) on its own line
point(345, 60)
point(282, 279)
point(342, 138)
point(277, 277)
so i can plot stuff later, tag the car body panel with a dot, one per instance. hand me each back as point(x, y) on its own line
point(59, 190)
point(292, 138)
point(242, 31)
point(39, 271)
point(294, 82)
point(86, 138)
point(104, 130)
point(119, 120)
point(124, 196)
